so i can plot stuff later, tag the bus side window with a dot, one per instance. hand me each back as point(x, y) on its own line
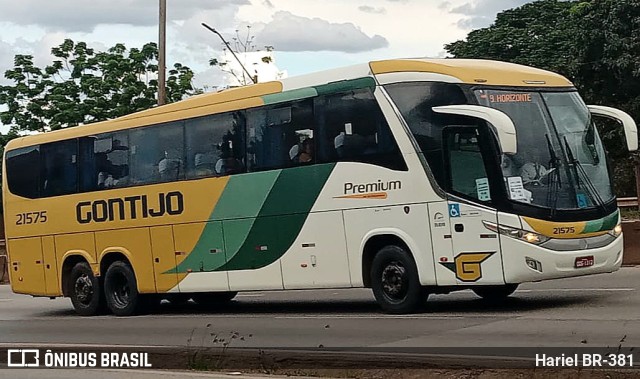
point(280, 136)
point(215, 145)
point(157, 153)
point(104, 159)
point(22, 179)
point(415, 101)
point(467, 173)
point(59, 168)
point(353, 129)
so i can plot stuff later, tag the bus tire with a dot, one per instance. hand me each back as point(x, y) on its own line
point(213, 298)
point(121, 290)
point(495, 294)
point(395, 282)
point(85, 291)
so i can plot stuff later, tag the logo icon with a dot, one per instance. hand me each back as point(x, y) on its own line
point(438, 220)
point(407, 209)
point(23, 358)
point(454, 210)
point(467, 266)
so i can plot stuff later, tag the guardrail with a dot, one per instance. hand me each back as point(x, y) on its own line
point(627, 202)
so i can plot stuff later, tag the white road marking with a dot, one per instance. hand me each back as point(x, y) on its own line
point(384, 317)
point(579, 289)
point(250, 295)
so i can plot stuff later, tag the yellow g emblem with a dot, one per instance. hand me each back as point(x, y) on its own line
point(467, 266)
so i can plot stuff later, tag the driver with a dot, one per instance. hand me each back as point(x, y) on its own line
point(533, 173)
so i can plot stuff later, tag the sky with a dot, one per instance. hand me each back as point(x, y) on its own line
point(307, 35)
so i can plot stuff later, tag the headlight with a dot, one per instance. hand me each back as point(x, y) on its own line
point(616, 231)
point(523, 235)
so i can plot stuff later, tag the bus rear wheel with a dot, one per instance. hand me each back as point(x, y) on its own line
point(121, 290)
point(213, 298)
point(495, 294)
point(395, 282)
point(85, 291)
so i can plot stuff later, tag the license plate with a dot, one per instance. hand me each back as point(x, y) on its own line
point(584, 261)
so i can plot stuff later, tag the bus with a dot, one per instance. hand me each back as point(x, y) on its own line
point(410, 177)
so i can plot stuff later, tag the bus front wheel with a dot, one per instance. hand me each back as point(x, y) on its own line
point(121, 290)
point(85, 291)
point(495, 294)
point(395, 282)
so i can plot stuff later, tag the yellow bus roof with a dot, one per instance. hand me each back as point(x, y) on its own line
point(476, 71)
point(471, 71)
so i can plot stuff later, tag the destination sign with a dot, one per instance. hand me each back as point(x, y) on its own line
point(510, 98)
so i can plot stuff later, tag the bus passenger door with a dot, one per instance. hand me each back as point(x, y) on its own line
point(441, 242)
point(476, 249)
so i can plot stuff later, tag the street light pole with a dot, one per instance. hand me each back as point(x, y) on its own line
point(253, 80)
point(162, 65)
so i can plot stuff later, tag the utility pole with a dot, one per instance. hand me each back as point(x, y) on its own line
point(162, 62)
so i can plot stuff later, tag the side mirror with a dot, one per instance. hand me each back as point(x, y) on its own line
point(502, 123)
point(630, 127)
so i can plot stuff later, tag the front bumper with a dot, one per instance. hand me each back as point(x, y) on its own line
point(555, 264)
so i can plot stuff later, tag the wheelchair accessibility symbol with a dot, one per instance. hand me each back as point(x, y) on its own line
point(454, 210)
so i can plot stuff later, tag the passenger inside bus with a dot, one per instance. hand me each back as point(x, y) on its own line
point(227, 164)
point(169, 167)
point(109, 174)
point(303, 152)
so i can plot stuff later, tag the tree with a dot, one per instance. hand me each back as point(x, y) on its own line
point(594, 43)
point(245, 50)
point(536, 34)
point(83, 85)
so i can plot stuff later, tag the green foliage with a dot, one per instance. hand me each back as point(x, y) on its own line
point(82, 85)
point(594, 43)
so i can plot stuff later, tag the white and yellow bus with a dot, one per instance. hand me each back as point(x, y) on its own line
point(410, 177)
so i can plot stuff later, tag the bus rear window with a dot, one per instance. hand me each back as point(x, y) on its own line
point(23, 166)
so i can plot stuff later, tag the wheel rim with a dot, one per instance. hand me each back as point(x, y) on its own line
point(120, 290)
point(83, 288)
point(395, 281)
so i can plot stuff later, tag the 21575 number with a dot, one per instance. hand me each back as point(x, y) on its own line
point(564, 230)
point(31, 218)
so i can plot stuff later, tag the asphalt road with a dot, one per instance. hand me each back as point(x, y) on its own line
point(597, 310)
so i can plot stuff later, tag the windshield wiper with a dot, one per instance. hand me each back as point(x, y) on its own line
point(580, 174)
point(554, 177)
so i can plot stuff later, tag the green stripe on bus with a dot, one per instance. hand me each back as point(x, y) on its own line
point(610, 221)
point(235, 235)
point(605, 223)
point(208, 254)
point(296, 189)
point(244, 195)
point(296, 94)
point(305, 93)
point(281, 218)
point(346, 85)
point(280, 199)
point(269, 239)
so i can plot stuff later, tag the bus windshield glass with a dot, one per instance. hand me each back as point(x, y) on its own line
point(560, 161)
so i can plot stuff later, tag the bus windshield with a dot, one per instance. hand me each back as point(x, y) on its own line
point(560, 161)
